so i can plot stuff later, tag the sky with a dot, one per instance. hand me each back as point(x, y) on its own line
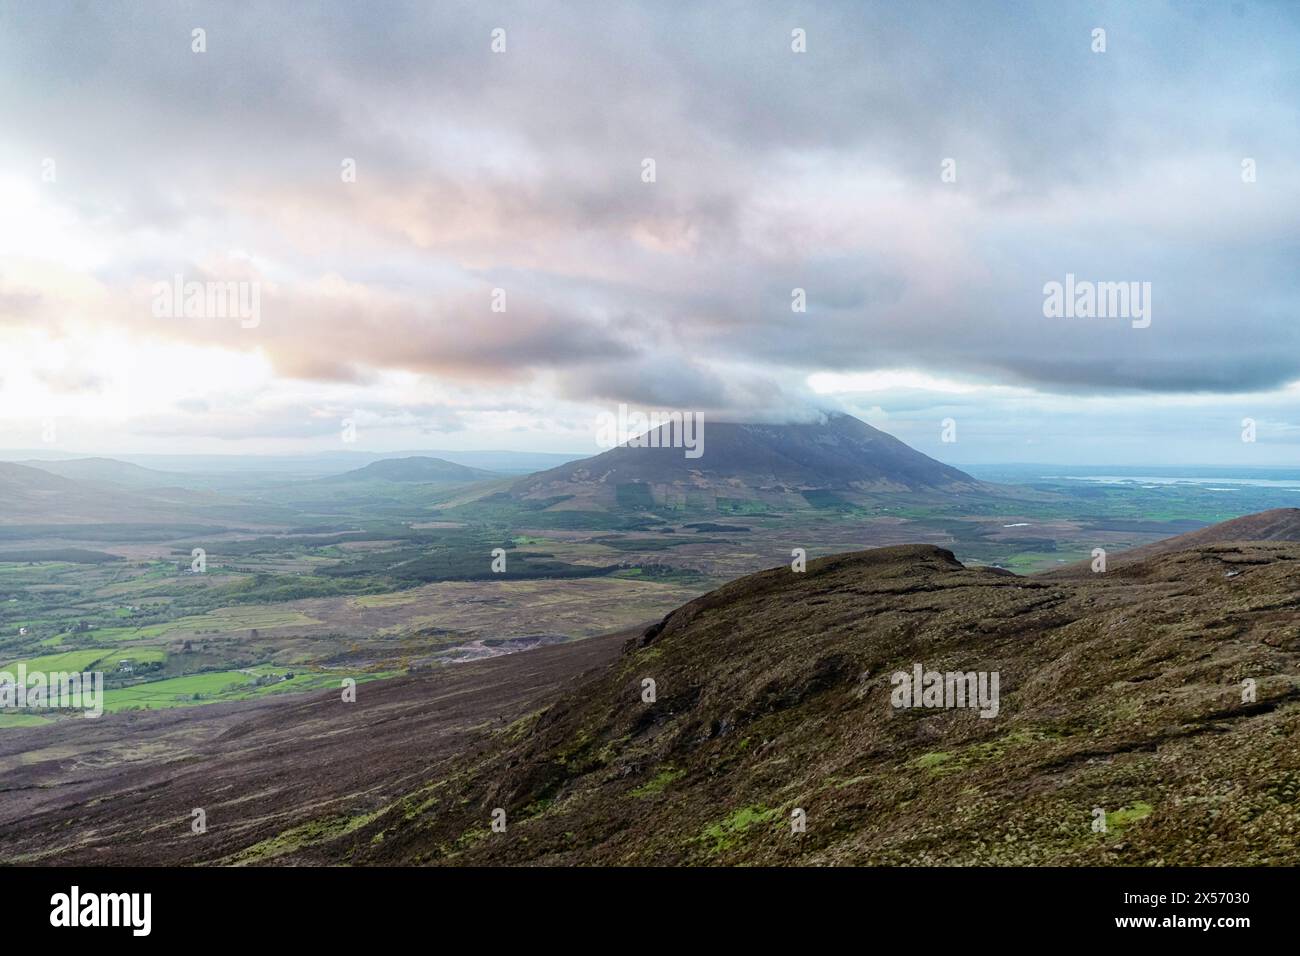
point(456, 241)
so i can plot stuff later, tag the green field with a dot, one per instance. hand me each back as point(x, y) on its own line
point(8, 721)
point(218, 686)
point(222, 621)
point(85, 660)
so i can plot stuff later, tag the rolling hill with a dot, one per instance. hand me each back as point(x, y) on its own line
point(108, 470)
point(36, 496)
point(416, 469)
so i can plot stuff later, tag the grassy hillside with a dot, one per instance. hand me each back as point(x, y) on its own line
point(1120, 696)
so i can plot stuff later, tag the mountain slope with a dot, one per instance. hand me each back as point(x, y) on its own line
point(1279, 524)
point(32, 495)
point(36, 496)
point(106, 469)
point(773, 694)
point(768, 463)
point(414, 469)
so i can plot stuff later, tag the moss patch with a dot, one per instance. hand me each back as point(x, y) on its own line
point(658, 782)
point(933, 761)
point(724, 835)
point(1121, 818)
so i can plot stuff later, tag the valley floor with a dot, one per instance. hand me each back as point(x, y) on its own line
point(122, 789)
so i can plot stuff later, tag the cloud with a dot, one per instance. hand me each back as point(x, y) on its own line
point(521, 171)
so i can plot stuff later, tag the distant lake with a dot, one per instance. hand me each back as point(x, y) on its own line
point(1202, 477)
point(1154, 480)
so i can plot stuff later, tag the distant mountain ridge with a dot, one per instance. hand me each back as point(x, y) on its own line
point(106, 469)
point(315, 464)
point(414, 469)
point(36, 496)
